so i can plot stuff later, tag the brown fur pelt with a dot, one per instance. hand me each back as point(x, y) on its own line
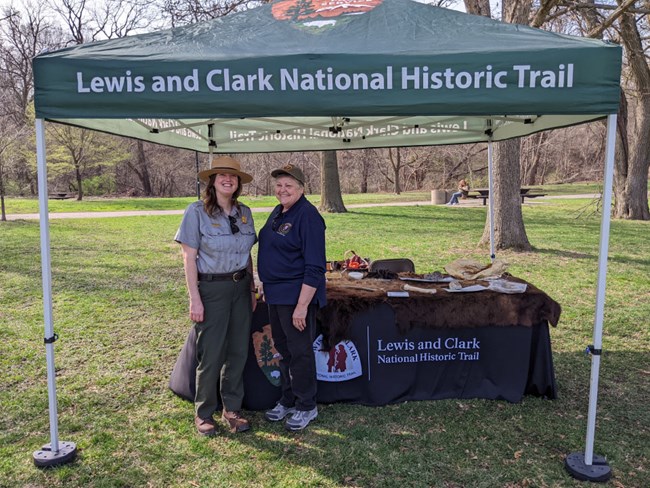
point(346, 297)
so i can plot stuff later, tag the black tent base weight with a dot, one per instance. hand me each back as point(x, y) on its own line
point(598, 471)
point(46, 458)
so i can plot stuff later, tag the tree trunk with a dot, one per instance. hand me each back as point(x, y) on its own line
point(80, 189)
point(622, 155)
point(330, 194)
point(509, 230)
point(396, 164)
point(365, 170)
point(631, 178)
point(478, 7)
point(142, 170)
point(3, 214)
point(530, 169)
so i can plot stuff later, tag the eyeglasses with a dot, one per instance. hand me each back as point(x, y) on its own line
point(276, 221)
point(233, 224)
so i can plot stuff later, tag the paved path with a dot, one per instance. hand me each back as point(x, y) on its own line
point(137, 213)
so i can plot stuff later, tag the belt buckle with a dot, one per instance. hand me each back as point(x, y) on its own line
point(237, 276)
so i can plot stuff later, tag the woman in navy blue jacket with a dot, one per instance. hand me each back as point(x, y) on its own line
point(291, 267)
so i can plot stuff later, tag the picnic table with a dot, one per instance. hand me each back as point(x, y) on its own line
point(484, 194)
point(61, 195)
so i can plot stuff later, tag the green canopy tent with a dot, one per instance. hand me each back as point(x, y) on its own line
point(402, 73)
point(300, 75)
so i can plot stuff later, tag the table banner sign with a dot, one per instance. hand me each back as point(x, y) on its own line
point(501, 363)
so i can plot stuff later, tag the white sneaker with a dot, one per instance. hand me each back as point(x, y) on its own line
point(300, 419)
point(278, 412)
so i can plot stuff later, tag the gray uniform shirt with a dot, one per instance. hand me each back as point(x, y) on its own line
point(219, 250)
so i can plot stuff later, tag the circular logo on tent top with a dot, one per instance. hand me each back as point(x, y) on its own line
point(320, 13)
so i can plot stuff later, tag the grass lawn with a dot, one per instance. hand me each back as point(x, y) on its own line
point(120, 309)
point(95, 204)
point(30, 205)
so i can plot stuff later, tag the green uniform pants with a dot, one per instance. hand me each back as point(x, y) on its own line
point(222, 344)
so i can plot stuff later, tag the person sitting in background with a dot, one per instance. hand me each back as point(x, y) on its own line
point(463, 190)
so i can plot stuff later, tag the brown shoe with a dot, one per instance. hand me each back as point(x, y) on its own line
point(235, 422)
point(205, 426)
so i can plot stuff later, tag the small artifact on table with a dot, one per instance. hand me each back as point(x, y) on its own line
point(401, 294)
point(364, 288)
point(354, 261)
point(455, 285)
point(505, 286)
point(429, 291)
point(469, 269)
point(435, 276)
point(382, 274)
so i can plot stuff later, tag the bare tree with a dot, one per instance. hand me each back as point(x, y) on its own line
point(141, 168)
point(532, 164)
point(395, 160)
point(10, 134)
point(478, 7)
point(82, 153)
point(88, 21)
point(631, 179)
point(626, 22)
point(23, 35)
point(364, 171)
point(330, 195)
point(182, 12)
point(508, 223)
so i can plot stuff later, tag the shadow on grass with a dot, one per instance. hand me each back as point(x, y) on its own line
point(579, 255)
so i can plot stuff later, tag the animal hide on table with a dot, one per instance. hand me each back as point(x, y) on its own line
point(345, 298)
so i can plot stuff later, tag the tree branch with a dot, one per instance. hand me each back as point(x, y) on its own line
point(622, 8)
point(602, 6)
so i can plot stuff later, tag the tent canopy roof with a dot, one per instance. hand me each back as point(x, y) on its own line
point(317, 75)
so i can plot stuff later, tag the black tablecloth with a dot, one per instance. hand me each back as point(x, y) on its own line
point(261, 389)
point(376, 363)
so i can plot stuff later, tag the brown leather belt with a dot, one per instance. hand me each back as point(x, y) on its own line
point(236, 276)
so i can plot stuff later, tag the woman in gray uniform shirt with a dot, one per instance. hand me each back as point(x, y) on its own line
point(216, 235)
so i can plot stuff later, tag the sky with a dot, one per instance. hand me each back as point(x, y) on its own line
point(458, 4)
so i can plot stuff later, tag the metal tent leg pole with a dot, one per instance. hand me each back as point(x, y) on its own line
point(587, 466)
point(56, 452)
point(490, 197)
point(198, 182)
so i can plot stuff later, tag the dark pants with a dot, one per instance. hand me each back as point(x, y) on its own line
point(222, 344)
point(298, 365)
